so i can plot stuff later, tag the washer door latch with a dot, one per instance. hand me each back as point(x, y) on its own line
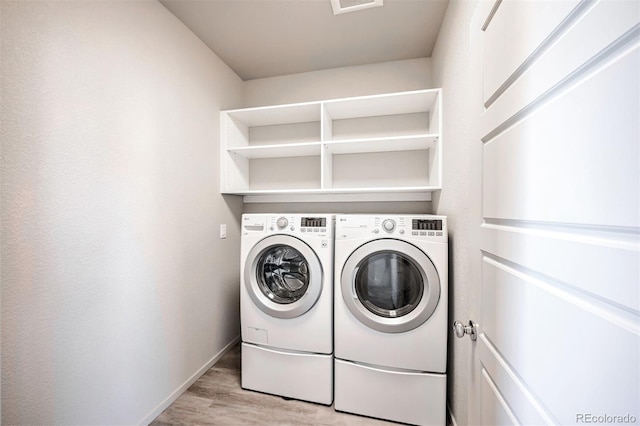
point(471, 329)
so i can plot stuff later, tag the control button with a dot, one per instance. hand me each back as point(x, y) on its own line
point(432, 234)
point(402, 232)
point(439, 234)
point(389, 225)
point(414, 232)
point(376, 231)
point(323, 229)
point(303, 229)
point(423, 233)
point(271, 228)
point(315, 229)
point(292, 228)
point(282, 223)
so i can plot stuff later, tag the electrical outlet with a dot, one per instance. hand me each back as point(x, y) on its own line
point(223, 231)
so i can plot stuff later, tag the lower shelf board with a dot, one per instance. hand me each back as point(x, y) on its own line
point(338, 195)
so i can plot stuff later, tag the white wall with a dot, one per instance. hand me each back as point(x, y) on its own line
point(115, 286)
point(452, 70)
point(361, 80)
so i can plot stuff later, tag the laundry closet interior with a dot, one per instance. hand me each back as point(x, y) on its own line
point(320, 212)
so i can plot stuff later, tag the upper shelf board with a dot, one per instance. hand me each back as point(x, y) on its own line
point(280, 114)
point(377, 105)
point(338, 109)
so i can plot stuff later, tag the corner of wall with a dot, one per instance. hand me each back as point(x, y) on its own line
point(452, 70)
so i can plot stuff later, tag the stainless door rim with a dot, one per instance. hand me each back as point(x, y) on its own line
point(266, 305)
point(411, 320)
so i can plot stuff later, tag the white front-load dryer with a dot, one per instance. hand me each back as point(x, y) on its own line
point(391, 317)
point(286, 305)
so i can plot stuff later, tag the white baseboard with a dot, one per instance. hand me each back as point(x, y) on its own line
point(191, 380)
point(452, 420)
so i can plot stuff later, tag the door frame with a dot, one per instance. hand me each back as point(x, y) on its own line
point(485, 9)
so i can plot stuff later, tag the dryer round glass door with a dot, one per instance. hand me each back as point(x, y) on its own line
point(390, 285)
point(283, 276)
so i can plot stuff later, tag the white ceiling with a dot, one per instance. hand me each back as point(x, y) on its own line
point(266, 38)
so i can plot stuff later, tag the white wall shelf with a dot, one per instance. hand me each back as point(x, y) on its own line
point(302, 149)
point(400, 143)
point(371, 148)
point(276, 115)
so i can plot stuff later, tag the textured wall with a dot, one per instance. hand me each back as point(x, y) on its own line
point(453, 72)
point(361, 80)
point(115, 286)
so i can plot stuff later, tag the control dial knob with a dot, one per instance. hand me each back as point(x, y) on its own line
point(389, 225)
point(282, 223)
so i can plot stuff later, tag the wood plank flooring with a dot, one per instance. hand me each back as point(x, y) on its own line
point(217, 399)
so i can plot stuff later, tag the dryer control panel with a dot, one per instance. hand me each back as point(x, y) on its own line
point(421, 227)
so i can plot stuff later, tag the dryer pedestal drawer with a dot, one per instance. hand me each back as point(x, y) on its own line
point(304, 376)
point(407, 397)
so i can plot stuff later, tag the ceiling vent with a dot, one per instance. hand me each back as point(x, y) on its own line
point(344, 6)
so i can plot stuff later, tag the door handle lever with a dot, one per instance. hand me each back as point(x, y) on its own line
point(471, 329)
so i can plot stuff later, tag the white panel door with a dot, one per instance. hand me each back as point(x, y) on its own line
point(557, 161)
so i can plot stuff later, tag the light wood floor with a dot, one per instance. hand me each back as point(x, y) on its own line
point(217, 399)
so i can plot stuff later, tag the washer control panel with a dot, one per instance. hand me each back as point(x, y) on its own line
point(297, 224)
point(422, 227)
point(418, 225)
point(282, 222)
point(389, 225)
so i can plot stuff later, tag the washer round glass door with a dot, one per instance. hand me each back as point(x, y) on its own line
point(390, 285)
point(283, 276)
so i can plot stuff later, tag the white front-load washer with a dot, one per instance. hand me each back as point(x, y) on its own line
point(391, 317)
point(286, 305)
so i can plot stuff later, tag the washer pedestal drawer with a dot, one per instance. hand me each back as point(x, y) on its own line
point(297, 375)
point(401, 396)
